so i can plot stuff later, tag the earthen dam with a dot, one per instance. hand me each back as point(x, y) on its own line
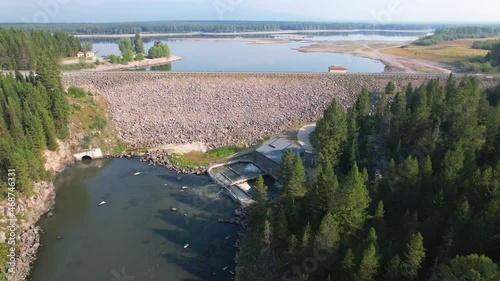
point(151, 109)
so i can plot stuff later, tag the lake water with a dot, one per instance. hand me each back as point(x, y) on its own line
point(235, 55)
point(135, 233)
point(224, 55)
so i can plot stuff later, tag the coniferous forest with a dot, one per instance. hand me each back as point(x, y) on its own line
point(409, 191)
point(27, 50)
point(34, 110)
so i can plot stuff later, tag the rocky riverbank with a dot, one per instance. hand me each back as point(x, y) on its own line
point(217, 109)
point(29, 211)
point(28, 235)
point(162, 157)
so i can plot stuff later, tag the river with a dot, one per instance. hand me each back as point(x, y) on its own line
point(237, 55)
point(135, 233)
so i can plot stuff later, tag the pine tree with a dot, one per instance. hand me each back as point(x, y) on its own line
point(48, 71)
point(35, 131)
point(280, 228)
point(327, 237)
point(327, 186)
point(393, 271)
point(363, 107)
point(297, 183)
point(390, 88)
point(427, 189)
point(292, 245)
point(348, 267)
point(413, 256)
point(260, 189)
point(382, 105)
point(138, 44)
point(351, 209)
point(379, 212)
point(284, 170)
point(369, 264)
point(267, 235)
point(15, 125)
point(18, 162)
point(48, 128)
point(331, 133)
point(306, 237)
point(371, 238)
point(60, 112)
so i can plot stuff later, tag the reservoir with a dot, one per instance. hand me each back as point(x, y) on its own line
point(235, 55)
point(223, 53)
point(135, 234)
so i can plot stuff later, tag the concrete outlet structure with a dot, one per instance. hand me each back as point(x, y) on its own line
point(95, 153)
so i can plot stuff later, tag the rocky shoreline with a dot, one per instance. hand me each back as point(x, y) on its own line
point(28, 235)
point(161, 157)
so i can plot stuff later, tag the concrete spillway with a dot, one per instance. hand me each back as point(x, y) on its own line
point(234, 177)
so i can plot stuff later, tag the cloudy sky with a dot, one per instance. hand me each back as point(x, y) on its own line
point(320, 10)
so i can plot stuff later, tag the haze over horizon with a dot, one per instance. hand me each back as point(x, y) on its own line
point(379, 11)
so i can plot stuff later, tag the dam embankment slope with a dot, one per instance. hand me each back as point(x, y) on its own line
point(153, 108)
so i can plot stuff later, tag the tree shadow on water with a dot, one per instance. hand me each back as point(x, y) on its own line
point(210, 246)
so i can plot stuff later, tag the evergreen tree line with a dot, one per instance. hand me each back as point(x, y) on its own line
point(488, 63)
point(22, 50)
point(454, 33)
point(32, 118)
point(485, 44)
point(409, 192)
point(211, 26)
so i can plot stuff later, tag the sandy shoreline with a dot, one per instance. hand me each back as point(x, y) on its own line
point(135, 64)
point(374, 50)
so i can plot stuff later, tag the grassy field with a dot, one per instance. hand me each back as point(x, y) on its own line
point(198, 159)
point(445, 52)
point(78, 66)
point(89, 123)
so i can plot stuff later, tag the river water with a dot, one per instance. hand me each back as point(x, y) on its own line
point(236, 55)
point(135, 233)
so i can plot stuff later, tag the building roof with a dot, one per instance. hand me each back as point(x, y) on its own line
point(275, 148)
point(337, 67)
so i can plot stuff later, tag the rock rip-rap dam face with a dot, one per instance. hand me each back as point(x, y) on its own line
point(153, 109)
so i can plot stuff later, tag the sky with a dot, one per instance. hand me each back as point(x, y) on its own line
point(380, 11)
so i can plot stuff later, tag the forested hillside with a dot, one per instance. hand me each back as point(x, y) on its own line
point(454, 33)
point(34, 110)
point(411, 192)
point(211, 26)
point(24, 50)
point(32, 117)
